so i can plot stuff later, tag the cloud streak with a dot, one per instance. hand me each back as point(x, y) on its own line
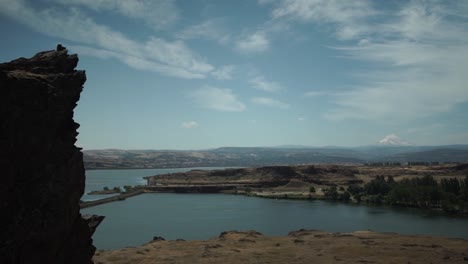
point(210, 29)
point(219, 99)
point(418, 54)
point(224, 72)
point(270, 102)
point(259, 82)
point(189, 124)
point(256, 42)
point(347, 16)
point(171, 58)
point(156, 14)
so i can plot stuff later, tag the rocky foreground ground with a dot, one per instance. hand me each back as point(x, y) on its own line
point(303, 246)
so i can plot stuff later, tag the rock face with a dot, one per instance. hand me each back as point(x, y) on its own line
point(42, 175)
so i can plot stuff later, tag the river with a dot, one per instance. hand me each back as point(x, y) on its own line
point(202, 216)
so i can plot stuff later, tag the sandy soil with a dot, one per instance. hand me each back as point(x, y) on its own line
point(298, 247)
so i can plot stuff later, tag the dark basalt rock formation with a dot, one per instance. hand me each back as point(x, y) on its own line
point(43, 175)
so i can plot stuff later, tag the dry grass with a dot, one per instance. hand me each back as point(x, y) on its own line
point(298, 247)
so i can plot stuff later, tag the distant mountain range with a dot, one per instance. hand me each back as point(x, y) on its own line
point(261, 156)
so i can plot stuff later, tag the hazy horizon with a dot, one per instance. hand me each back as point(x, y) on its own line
point(206, 74)
point(277, 146)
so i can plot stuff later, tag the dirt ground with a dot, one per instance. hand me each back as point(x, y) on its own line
point(304, 246)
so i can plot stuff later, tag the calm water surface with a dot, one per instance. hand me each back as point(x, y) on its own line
point(202, 216)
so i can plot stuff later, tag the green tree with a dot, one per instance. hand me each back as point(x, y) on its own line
point(390, 180)
point(312, 189)
point(377, 186)
point(331, 193)
point(355, 189)
point(346, 196)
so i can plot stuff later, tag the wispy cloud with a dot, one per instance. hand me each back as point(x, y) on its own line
point(422, 67)
point(265, 2)
point(347, 16)
point(220, 99)
point(189, 124)
point(253, 43)
point(171, 58)
point(259, 82)
point(210, 29)
point(418, 55)
point(314, 93)
point(270, 102)
point(301, 118)
point(157, 14)
point(224, 72)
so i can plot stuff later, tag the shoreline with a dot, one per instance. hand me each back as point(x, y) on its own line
point(163, 168)
point(120, 197)
point(278, 196)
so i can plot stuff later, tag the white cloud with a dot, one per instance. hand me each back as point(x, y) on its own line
point(255, 42)
point(157, 14)
point(171, 58)
point(210, 29)
point(423, 65)
point(301, 118)
point(189, 124)
point(347, 16)
point(270, 102)
point(220, 99)
point(265, 2)
point(224, 72)
point(314, 93)
point(259, 82)
point(418, 55)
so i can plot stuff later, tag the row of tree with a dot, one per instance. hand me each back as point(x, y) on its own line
point(450, 194)
point(117, 189)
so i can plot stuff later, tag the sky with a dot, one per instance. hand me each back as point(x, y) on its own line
point(203, 74)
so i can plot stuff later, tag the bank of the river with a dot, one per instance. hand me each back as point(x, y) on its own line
point(441, 187)
point(119, 197)
point(99, 179)
point(298, 247)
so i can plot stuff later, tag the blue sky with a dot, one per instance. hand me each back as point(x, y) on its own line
point(201, 74)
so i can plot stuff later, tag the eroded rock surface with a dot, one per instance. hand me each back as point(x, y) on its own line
point(43, 175)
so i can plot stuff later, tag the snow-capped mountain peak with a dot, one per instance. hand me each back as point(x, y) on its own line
point(393, 140)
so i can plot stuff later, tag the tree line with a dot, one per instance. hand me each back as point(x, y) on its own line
point(450, 194)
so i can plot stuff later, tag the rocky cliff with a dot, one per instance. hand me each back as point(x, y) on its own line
point(42, 169)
